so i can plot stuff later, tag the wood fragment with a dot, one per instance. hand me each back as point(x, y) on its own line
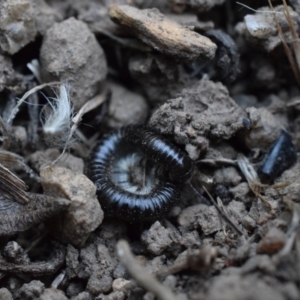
point(162, 34)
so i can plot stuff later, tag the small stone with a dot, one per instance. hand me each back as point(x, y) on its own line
point(84, 214)
point(82, 296)
point(227, 176)
point(32, 290)
point(209, 220)
point(70, 53)
point(272, 242)
point(248, 223)
point(120, 284)
point(265, 129)
point(188, 216)
point(125, 107)
point(17, 25)
point(242, 192)
point(170, 281)
point(260, 28)
point(157, 238)
point(53, 294)
point(6, 295)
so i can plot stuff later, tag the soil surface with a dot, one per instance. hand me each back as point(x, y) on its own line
point(216, 79)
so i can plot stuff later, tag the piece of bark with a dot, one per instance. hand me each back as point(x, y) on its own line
point(163, 35)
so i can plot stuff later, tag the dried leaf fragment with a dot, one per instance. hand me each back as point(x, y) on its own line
point(16, 217)
point(163, 35)
point(12, 186)
point(35, 268)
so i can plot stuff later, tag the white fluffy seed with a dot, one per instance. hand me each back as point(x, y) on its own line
point(57, 117)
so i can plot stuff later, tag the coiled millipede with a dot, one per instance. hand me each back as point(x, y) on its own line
point(138, 173)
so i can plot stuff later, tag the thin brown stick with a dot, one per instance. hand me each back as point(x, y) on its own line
point(142, 276)
point(223, 215)
point(287, 50)
point(296, 43)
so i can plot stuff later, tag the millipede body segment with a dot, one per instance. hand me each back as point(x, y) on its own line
point(138, 173)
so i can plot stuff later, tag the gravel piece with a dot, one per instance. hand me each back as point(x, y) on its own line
point(5, 294)
point(72, 261)
point(209, 220)
point(125, 107)
point(120, 284)
point(292, 177)
point(163, 35)
point(96, 266)
point(260, 28)
point(242, 192)
point(53, 294)
point(17, 25)
point(188, 216)
point(265, 129)
point(205, 110)
point(237, 210)
point(117, 295)
point(70, 53)
point(157, 238)
point(227, 176)
point(248, 223)
point(32, 290)
point(82, 296)
point(84, 214)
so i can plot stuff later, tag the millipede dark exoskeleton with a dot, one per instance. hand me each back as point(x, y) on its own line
point(115, 167)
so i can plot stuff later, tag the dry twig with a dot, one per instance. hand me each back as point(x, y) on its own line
point(144, 278)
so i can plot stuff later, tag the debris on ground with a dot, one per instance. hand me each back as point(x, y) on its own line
point(219, 80)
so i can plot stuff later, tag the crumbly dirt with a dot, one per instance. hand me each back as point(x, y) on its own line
point(214, 78)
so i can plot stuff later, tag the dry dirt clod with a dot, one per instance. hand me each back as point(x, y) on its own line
point(16, 24)
point(209, 220)
point(157, 238)
point(260, 28)
point(227, 176)
point(188, 216)
point(32, 290)
point(204, 110)
point(84, 214)
point(96, 266)
point(125, 107)
point(265, 129)
point(70, 53)
point(163, 35)
point(53, 294)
